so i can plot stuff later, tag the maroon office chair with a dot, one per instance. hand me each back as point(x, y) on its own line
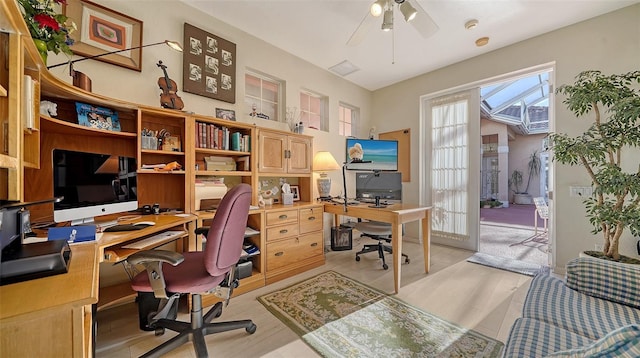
point(169, 274)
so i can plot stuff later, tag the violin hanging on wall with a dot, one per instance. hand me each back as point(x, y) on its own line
point(169, 97)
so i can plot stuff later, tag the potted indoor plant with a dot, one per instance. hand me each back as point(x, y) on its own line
point(613, 103)
point(49, 28)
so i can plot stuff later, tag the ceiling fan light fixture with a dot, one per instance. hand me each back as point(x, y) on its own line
point(376, 7)
point(387, 22)
point(408, 11)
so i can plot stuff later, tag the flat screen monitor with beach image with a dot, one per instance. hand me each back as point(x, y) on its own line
point(372, 154)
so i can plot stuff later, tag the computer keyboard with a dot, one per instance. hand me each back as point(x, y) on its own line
point(159, 239)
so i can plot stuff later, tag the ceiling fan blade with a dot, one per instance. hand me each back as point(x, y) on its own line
point(361, 31)
point(423, 22)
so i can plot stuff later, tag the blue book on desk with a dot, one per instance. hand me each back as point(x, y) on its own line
point(72, 234)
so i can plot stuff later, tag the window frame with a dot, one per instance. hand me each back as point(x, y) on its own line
point(323, 107)
point(279, 104)
point(355, 117)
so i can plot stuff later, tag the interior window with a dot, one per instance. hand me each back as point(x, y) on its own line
point(263, 96)
point(347, 120)
point(313, 110)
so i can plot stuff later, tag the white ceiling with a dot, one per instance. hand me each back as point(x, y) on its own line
point(318, 30)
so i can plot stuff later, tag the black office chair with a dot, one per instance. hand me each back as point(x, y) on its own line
point(378, 231)
point(169, 274)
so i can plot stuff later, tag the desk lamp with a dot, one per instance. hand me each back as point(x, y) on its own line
point(83, 81)
point(344, 178)
point(324, 162)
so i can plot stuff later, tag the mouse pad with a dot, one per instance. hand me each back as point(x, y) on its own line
point(77, 233)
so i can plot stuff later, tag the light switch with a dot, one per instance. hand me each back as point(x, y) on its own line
point(580, 191)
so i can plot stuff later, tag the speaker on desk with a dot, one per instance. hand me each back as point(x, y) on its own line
point(341, 238)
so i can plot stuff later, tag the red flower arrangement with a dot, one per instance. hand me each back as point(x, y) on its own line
point(49, 29)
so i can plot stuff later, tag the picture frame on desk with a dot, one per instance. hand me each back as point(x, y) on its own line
point(295, 190)
point(97, 117)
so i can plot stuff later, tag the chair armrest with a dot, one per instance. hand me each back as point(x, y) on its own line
point(152, 261)
point(171, 257)
point(609, 280)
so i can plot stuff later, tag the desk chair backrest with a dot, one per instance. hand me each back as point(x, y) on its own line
point(227, 229)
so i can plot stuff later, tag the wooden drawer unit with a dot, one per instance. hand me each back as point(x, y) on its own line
point(291, 251)
point(282, 217)
point(294, 241)
point(282, 232)
point(311, 220)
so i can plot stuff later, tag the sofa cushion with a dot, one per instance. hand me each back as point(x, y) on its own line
point(532, 338)
point(613, 281)
point(551, 301)
point(623, 342)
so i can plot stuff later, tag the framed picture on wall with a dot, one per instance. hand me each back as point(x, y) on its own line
point(229, 114)
point(102, 30)
point(209, 65)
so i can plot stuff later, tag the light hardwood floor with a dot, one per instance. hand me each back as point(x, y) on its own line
point(485, 299)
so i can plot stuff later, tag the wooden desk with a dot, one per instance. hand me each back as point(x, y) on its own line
point(396, 215)
point(51, 316)
point(109, 243)
point(110, 250)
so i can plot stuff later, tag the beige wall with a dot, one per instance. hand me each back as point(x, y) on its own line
point(610, 43)
point(164, 20)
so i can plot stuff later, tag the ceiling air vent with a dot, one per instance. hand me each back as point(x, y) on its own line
point(344, 68)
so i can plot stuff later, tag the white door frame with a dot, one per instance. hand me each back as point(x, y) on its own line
point(425, 154)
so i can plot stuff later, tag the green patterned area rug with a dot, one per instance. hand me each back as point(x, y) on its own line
point(341, 317)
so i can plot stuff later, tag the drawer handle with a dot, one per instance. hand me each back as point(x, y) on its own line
point(282, 217)
point(284, 231)
point(311, 218)
point(314, 244)
point(279, 253)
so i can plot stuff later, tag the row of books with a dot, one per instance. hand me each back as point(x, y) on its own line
point(210, 136)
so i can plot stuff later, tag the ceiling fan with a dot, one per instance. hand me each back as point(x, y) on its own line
point(412, 12)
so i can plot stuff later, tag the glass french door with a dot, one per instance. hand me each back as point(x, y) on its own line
point(451, 170)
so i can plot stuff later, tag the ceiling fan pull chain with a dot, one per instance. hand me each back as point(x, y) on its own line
point(393, 46)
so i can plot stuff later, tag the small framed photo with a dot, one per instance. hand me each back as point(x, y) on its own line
point(97, 117)
point(228, 114)
point(171, 143)
point(295, 190)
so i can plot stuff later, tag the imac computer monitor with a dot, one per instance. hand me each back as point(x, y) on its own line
point(372, 154)
point(92, 185)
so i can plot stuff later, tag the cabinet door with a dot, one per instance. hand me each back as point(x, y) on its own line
point(272, 148)
point(299, 155)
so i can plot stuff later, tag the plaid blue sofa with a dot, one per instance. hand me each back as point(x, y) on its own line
point(593, 312)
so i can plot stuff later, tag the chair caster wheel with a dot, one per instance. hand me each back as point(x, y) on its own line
point(406, 261)
point(159, 331)
point(357, 258)
point(385, 266)
point(251, 329)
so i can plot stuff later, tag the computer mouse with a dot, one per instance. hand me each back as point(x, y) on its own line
point(146, 223)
